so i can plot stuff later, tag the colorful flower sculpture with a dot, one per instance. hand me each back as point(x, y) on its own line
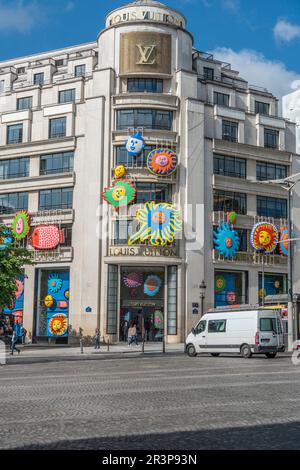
point(264, 235)
point(220, 283)
point(21, 225)
point(283, 243)
point(48, 301)
point(120, 171)
point(120, 194)
point(135, 144)
point(5, 240)
point(158, 320)
point(231, 217)
point(58, 324)
point(226, 240)
point(159, 224)
point(54, 283)
point(162, 162)
point(133, 280)
point(152, 285)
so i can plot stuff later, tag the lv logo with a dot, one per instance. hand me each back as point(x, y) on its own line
point(146, 55)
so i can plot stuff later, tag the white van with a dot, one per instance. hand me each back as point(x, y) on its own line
point(245, 332)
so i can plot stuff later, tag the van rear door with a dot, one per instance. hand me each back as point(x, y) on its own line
point(270, 330)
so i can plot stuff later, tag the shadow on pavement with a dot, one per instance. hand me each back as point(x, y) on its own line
point(268, 437)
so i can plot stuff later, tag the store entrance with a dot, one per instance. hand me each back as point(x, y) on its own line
point(142, 303)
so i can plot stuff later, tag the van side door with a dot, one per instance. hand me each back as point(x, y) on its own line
point(216, 336)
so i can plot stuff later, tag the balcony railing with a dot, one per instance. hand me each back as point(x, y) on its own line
point(251, 258)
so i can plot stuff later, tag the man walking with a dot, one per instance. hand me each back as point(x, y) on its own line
point(24, 333)
point(14, 340)
point(97, 339)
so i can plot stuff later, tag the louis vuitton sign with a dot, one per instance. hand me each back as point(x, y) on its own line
point(145, 52)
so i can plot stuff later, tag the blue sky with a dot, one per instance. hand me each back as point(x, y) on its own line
point(260, 37)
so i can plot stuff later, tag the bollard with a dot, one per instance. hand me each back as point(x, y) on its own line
point(108, 345)
point(81, 345)
point(143, 345)
point(164, 344)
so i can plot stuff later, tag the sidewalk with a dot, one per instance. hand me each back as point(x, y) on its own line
point(74, 353)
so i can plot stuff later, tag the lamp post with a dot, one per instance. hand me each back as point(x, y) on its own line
point(202, 288)
point(288, 184)
point(261, 250)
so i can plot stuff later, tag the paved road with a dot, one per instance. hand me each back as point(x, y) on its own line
point(150, 403)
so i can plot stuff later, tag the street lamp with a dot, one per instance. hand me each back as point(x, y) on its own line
point(261, 250)
point(202, 288)
point(288, 184)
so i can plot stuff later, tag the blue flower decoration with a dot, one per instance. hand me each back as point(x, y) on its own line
point(54, 283)
point(5, 240)
point(227, 241)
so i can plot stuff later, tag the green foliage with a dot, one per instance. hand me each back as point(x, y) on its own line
point(12, 262)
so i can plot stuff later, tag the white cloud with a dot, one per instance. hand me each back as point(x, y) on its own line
point(69, 6)
point(18, 16)
point(233, 6)
point(286, 31)
point(258, 70)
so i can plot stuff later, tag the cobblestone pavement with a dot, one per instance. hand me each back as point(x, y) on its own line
point(167, 403)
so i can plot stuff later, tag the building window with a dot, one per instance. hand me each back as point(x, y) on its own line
point(208, 73)
point(271, 138)
point(271, 207)
point(229, 166)
point(112, 299)
point(80, 70)
point(230, 131)
point(261, 108)
point(56, 163)
point(67, 228)
point(270, 171)
point(59, 62)
point(24, 103)
point(158, 192)
point(66, 96)
point(221, 99)
point(122, 157)
point(2, 86)
point(123, 230)
point(57, 128)
point(231, 287)
point(15, 134)
point(21, 70)
point(148, 85)
point(147, 118)
point(274, 284)
point(14, 168)
point(39, 78)
point(13, 202)
point(226, 201)
point(60, 198)
point(172, 300)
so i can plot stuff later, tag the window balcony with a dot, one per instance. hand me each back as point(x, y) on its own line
point(250, 258)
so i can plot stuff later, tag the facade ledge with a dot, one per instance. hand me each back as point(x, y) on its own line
point(56, 109)
point(228, 183)
point(38, 147)
point(143, 260)
point(62, 254)
point(250, 151)
point(229, 113)
point(246, 221)
point(35, 183)
point(153, 136)
point(269, 121)
point(146, 100)
point(16, 116)
point(136, 174)
point(55, 216)
point(251, 258)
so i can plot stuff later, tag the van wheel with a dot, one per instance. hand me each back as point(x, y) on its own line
point(246, 351)
point(271, 355)
point(191, 350)
point(215, 354)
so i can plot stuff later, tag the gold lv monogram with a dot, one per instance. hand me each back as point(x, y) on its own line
point(146, 55)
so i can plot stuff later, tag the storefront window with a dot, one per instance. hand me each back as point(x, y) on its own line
point(231, 288)
point(112, 299)
point(172, 300)
point(274, 284)
point(52, 313)
point(142, 302)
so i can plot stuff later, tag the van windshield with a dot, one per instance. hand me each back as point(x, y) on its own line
point(270, 324)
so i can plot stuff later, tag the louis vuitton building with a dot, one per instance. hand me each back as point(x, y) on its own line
point(196, 134)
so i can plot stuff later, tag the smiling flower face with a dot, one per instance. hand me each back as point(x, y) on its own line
point(264, 235)
point(159, 224)
point(162, 162)
point(120, 194)
point(20, 225)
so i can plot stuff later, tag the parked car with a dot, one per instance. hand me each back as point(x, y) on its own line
point(245, 332)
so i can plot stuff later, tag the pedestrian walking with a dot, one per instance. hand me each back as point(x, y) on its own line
point(14, 340)
point(97, 339)
point(132, 335)
point(24, 333)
